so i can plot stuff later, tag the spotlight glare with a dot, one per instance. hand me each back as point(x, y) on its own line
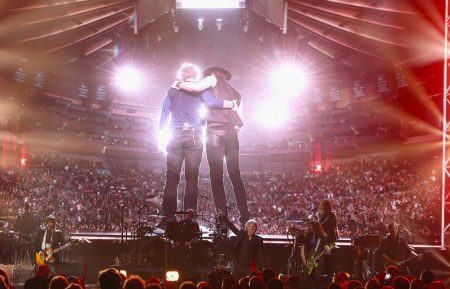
point(124, 272)
point(128, 79)
point(288, 80)
point(172, 276)
point(164, 136)
point(202, 112)
point(200, 24)
point(273, 113)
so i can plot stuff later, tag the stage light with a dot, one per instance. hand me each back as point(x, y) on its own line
point(124, 273)
point(23, 162)
point(164, 139)
point(208, 4)
point(202, 112)
point(128, 79)
point(219, 24)
point(172, 276)
point(288, 80)
point(273, 113)
point(200, 24)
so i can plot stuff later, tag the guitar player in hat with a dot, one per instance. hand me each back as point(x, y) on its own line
point(48, 239)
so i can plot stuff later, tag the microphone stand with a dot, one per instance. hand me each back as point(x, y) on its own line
point(122, 222)
point(45, 244)
point(139, 217)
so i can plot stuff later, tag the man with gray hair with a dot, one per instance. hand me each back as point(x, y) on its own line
point(248, 248)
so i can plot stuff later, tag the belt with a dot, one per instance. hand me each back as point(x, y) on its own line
point(215, 125)
point(186, 127)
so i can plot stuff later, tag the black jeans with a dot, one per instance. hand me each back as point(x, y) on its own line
point(222, 141)
point(184, 146)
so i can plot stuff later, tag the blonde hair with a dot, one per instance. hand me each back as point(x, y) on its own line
point(188, 71)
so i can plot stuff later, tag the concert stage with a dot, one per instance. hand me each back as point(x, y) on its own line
point(99, 250)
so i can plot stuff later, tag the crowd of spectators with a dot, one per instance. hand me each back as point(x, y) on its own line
point(219, 278)
point(366, 195)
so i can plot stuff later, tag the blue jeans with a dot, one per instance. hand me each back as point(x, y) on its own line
point(222, 141)
point(187, 147)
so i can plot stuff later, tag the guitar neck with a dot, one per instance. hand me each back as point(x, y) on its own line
point(323, 252)
point(61, 248)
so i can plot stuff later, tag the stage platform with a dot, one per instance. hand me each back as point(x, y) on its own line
point(100, 250)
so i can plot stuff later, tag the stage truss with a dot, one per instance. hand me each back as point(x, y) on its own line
point(445, 199)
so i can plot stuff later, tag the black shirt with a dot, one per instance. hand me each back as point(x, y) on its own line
point(395, 248)
point(247, 251)
point(189, 230)
point(329, 224)
point(314, 245)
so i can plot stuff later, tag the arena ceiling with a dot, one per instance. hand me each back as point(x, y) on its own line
point(360, 35)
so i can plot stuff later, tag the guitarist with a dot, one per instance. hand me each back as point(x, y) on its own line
point(328, 220)
point(47, 240)
point(315, 243)
point(394, 248)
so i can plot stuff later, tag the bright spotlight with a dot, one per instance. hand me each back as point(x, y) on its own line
point(288, 80)
point(200, 24)
point(124, 273)
point(164, 139)
point(172, 276)
point(219, 24)
point(128, 79)
point(203, 111)
point(273, 113)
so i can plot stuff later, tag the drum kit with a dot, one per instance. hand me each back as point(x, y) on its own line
point(179, 246)
point(9, 241)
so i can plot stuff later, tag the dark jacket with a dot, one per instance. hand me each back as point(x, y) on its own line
point(329, 225)
point(223, 90)
point(57, 241)
point(258, 252)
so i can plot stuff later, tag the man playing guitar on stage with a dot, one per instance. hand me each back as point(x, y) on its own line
point(48, 242)
point(394, 249)
point(315, 246)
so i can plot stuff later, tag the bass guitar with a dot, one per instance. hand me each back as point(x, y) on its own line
point(312, 263)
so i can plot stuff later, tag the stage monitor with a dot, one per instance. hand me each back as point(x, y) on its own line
point(210, 4)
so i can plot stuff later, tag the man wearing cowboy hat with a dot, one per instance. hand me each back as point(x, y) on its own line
point(186, 142)
point(222, 138)
point(48, 238)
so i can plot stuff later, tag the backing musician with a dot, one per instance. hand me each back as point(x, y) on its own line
point(189, 228)
point(248, 248)
point(316, 243)
point(328, 221)
point(394, 249)
point(48, 239)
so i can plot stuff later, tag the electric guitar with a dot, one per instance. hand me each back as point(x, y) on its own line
point(405, 262)
point(312, 263)
point(43, 257)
